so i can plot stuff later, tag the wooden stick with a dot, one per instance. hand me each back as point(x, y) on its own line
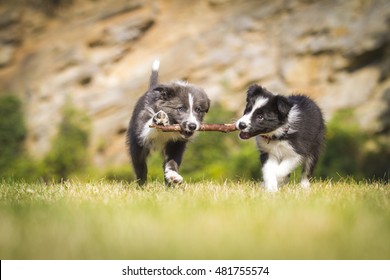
point(229, 127)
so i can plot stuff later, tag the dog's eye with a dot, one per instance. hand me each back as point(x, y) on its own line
point(260, 117)
point(198, 110)
point(182, 109)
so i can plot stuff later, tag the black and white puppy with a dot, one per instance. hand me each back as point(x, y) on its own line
point(177, 102)
point(289, 132)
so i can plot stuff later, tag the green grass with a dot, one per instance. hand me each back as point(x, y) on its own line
point(233, 220)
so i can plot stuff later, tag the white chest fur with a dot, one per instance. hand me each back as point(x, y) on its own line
point(282, 160)
point(155, 139)
point(278, 149)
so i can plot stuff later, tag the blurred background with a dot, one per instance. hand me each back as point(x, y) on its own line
point(72, 70)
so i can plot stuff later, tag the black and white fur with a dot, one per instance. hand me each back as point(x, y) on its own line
point(177, 102)
point(289, 132)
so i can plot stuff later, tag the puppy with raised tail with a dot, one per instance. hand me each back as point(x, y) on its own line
point(177, 102)
point(289, 132)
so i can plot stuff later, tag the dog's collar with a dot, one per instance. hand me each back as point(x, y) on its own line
point(274, 137)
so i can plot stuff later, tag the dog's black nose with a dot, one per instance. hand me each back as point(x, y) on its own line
point(192, 126)
point(242, 125)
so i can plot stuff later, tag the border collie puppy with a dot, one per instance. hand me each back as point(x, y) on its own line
point(289, 132)
point(163, 104)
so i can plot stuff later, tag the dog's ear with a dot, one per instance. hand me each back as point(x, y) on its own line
point(165, 92)
point(256, 90)
point(283, 105)
point(252, 91)
point(207, 104)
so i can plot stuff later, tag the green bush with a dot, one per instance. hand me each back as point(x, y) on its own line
point(119, 173)
point(347, 153)
point(69, 150)
point(342, 157)
point(12, 132)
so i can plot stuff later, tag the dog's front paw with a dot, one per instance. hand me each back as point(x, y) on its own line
point(173, 178)
point(161, 118)
point(305, 183)
point(270, 186)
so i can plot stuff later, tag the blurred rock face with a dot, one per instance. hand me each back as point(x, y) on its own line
point(98, 54)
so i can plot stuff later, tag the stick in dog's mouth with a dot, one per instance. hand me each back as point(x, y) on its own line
point(230, 127)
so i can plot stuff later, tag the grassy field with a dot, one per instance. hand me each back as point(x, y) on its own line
point(232, 220)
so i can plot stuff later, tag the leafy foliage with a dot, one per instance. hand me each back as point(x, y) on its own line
point(12, 131)
point(69, 151)
point(350, 152)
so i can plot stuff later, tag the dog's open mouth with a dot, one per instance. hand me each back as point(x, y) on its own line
point(187, 134)
point(245, 135)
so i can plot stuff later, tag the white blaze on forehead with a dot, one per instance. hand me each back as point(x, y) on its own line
point(191, 101)
point(192, 118)
point(260, 102)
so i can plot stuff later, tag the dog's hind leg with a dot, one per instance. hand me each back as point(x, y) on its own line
point(173, 156)
point(138, 157)
point(285, 167)
point(307, 171)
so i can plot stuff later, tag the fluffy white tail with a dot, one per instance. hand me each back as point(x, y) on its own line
point(156, 65)
point(154, 75)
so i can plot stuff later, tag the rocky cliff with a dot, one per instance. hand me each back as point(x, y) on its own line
point(98, 54)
